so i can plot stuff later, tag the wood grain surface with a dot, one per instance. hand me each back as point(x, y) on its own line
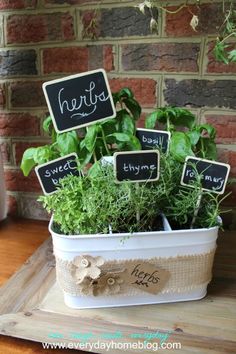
point(207, 326)
point(19, 239)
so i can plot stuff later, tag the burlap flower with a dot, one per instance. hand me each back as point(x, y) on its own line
point(86, 266)
point(107, 284)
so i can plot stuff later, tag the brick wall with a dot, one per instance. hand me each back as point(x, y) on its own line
point(46, 39)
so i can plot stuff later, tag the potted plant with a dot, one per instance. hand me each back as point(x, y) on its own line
point(112, 243)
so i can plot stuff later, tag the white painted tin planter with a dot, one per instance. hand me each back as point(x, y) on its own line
point(144, 245)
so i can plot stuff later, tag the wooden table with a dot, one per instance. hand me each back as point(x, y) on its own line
point(18, 240)
point(204, 321)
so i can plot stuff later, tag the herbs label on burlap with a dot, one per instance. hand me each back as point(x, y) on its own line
point(146, 277)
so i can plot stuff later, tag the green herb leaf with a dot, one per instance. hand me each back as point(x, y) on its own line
point(133, 107)
point(150, 121)
point(180, 146)
point(121, 136)
point(67, 142)
point(194, 136)
point(126, 123)
point(47, 125)
point(125, 92)
point(209, 129)
point(28, 162)
point(91, 136)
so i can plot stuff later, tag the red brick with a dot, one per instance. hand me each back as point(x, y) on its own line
point(17, 4)
point(67, 60)
point(108, 58)
point(77, 59)
point(214, 66)
point(12, 207)
point(27, 94)
point(89, 17)
point(170, 57)
point(20, 147)
point(100, 57)
point(6, 152)
point(15, 181)
point(19, 124)
point(144, 89)
point(39, 28)
point(228, 156)
point(2, 96)
point(210, 19)
point(225, 126)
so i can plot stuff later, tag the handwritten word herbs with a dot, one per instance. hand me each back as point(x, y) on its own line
point(156, 139)
point(84, 105)
point(212, 175)
point(79, 100)
point(146, 276)
point(49, 174)
point(138, 166)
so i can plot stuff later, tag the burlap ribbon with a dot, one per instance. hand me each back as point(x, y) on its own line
point(88, 275)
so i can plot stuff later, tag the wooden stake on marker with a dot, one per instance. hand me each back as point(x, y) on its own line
point(137, 211)
point(196, 210)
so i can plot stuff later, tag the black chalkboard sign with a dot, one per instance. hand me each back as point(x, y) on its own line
point(156, 139)
point(51, 172)
point(137, 166)
point(79, 100)
point(213, 174)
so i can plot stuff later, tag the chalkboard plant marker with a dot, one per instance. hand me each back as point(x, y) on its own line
point(79, 100)
point(137, 166)
point(50, 173)
point(154, 139)
point(211, 175)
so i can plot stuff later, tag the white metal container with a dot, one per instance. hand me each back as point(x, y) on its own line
point(144, 245)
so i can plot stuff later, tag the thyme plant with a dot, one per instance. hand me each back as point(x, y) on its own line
point(89, 204)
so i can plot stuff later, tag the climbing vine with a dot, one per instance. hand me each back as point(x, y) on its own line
point(225, 48)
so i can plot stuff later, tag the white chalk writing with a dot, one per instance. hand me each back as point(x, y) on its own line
point(84, 105)
point(137, 169)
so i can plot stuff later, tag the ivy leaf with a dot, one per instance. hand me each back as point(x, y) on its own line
point(180, 146)
point(28, 162)
point(220, 52)
point(133, 107)
point(67, 142)
point(232, 55)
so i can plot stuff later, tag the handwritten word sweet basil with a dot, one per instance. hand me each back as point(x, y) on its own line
point(153, 139)
point(50, 173)
point(213, 175)
point(138, 166)
point(79, 100)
